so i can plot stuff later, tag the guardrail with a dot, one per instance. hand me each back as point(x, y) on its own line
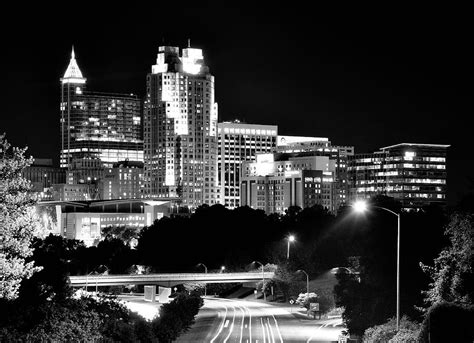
point(170, 278)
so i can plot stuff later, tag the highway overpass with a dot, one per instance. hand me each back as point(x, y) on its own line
point(166, 280)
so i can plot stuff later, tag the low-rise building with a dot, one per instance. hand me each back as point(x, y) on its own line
point(414, 174)
point(274, 182)
point(85, 220)
point(123, 181)
point(42, 175)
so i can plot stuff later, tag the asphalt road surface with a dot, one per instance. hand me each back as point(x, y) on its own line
point(244, 321)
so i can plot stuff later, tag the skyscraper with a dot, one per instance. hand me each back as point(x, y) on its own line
point(103, 127)
point(180, 128)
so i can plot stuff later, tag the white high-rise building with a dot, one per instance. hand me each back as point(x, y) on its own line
point(238, 143)
point(180, 128)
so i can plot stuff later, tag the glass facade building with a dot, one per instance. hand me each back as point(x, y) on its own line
point(414, 174)
point(101, 126)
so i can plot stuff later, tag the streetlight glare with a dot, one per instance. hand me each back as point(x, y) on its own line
point(291, 238)
point(360, 206)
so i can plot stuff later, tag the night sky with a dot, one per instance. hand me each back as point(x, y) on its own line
point(368, 77)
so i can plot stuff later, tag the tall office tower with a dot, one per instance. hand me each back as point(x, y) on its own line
point(238, 143)
point(96, 126)
point(180, 128)
point(414, 174)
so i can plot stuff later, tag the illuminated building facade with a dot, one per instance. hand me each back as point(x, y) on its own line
point(85, 220)
point(42, 176)
point(102, 126)
point(317, 146)
point(75, 192)
point(275, 182)
point(238, 143)
point(180, 129)
point(123, 181)
point(414, 174)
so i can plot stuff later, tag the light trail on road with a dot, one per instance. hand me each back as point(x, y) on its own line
point(264, 330)
point(246, 321)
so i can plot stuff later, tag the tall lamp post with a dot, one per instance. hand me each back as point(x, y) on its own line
point(307, 280)
point(263, 280)
point(361, 206)
point(205, 271)
point(291, 239)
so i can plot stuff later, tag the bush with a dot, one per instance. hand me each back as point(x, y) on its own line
point(325, 301)
point(448, 322)
point(387, 332)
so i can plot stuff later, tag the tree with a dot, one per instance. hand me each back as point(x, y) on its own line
point(18, 222)
point(452, 273)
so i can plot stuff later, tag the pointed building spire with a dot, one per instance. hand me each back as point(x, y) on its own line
point(189, 42)
point(73, 73)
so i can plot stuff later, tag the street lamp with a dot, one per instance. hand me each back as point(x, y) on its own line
point(307, 280)
point(222, 269)
point(205, 271)
point(290, 238)
point(361, 206)
point(263, 280)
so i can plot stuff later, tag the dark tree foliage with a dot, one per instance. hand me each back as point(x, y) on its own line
point(373, 237)
point(116, 255)
point(58, 257)
point(448, 322)
point(176, 317)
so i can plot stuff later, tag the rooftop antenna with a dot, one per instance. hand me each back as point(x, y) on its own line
point(189, 43)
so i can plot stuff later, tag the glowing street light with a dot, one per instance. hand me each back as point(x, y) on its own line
point(263, 280)
point(222, 269)
point(307, 280)
point(205, 271)
point(291, 239)
point(361, 206)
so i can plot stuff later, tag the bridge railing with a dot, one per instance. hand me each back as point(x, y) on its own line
point(125, 279)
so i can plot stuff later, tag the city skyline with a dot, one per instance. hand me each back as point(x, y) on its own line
point(387, 86)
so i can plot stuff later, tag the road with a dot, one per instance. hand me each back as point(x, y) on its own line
point(244, 321)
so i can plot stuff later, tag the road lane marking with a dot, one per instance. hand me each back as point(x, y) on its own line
point(226, 323)
point(221, 326)
point(242, 325)
point(231, 326)
point(250, 323)
point(263, 330)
